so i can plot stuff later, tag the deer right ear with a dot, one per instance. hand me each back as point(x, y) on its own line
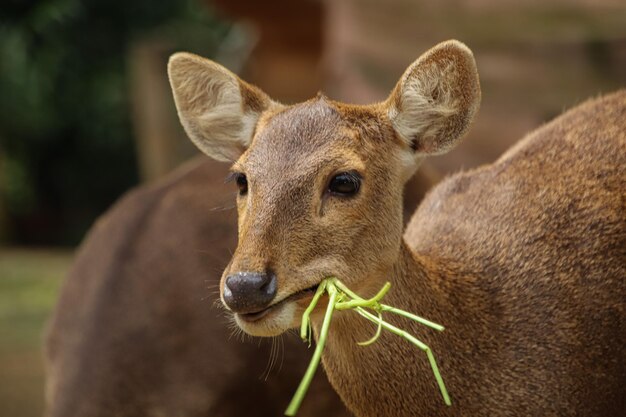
point(218, 110)
point(436, 99)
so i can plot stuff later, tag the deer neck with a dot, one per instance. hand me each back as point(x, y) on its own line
point(391, 376)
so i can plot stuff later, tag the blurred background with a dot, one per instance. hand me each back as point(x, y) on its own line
point(86, 111)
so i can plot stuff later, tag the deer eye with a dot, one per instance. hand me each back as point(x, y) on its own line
point(345, 184)
point(242, 183)
point(240, 180)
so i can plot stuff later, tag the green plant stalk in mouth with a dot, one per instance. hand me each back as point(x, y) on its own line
point(341, 297)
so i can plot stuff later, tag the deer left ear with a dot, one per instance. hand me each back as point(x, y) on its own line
point(218, 110)
point(436, 99)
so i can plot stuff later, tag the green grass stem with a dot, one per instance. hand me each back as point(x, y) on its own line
point(404, 334)
point(292, 409)
point(341, 297)
point(305, 326)
point(438, 327)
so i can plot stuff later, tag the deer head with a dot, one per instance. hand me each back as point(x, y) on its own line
point(320, 182)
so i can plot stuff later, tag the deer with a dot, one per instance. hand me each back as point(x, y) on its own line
point(135, 331)
point(523, 260)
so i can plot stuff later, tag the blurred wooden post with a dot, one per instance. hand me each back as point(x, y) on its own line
point(3, 221)
point(156, 128)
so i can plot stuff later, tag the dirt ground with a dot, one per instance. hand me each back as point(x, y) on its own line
point(29, 283)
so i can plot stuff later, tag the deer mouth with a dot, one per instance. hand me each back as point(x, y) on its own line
point(258, 315)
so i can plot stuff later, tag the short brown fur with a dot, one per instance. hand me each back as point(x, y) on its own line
point(523, 260)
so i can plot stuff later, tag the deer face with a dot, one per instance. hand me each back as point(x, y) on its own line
point(313, 190)
point(320, 183)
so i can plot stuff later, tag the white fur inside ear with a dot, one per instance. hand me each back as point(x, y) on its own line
point(425, 102)
point(408, 163)
point(210, 106)
point(436, 99)
point(224, 130)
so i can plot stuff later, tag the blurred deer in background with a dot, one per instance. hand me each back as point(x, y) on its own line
point(134, 332)
point(523, 260)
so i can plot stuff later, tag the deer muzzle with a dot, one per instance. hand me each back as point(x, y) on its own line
point(249, 292)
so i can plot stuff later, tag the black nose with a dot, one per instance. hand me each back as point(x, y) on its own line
point(249, 292)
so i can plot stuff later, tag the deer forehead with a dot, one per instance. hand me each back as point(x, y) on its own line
point(305, 141)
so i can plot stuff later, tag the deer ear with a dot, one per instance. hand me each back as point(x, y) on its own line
point(436, 99)
point(217, 109)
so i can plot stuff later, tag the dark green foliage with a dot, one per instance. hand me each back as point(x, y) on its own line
point(65, 137)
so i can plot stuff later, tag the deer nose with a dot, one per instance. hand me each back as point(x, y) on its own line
point(249, 292)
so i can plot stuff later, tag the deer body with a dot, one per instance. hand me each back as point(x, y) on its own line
point(523, 260)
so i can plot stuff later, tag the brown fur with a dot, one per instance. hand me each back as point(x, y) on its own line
point(523, 260)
